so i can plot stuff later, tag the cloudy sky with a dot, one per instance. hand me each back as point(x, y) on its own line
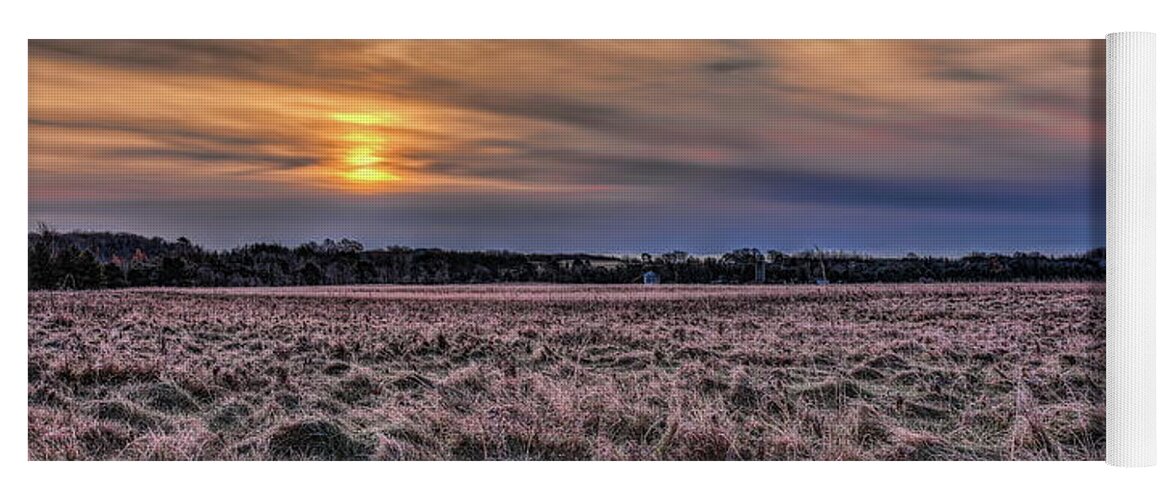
point(886, 147)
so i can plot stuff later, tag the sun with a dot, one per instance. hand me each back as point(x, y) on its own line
point(369, 174)
point(363, 156)
point(364, 146)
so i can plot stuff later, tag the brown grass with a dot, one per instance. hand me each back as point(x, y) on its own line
point(894, 372)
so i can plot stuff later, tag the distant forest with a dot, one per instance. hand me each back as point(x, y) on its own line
point(65, 261)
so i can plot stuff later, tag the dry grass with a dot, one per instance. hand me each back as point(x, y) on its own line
point(896, 372)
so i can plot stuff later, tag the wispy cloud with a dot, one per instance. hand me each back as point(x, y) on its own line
point(593, 132)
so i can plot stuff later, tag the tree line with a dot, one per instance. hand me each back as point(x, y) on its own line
point(97, 260)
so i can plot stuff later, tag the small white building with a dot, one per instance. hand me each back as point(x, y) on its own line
point(650, 278)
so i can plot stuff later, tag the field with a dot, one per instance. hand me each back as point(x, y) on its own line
point(843, 372)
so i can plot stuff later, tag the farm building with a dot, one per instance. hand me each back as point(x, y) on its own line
point(650, 278)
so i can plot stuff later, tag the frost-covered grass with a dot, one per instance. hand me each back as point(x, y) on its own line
point(899, 372)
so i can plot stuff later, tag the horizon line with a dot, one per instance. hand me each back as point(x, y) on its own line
point(825, 251)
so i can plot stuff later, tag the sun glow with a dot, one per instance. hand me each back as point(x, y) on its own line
point(363, 156)
point(373, 119)
point(369, 174)
point(364, 146)
point(363, 137)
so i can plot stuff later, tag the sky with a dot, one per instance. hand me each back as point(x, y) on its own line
point(882, 147)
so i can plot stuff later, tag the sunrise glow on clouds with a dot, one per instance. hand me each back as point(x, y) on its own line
point(604, 146)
